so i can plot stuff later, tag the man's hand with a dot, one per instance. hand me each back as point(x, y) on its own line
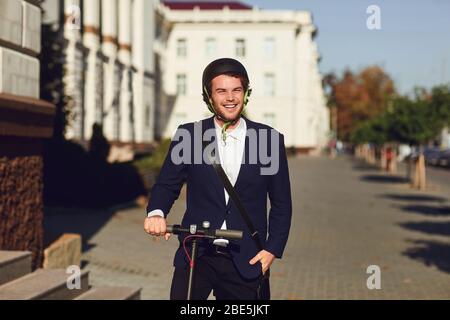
point(156, 226)
point(266, 259)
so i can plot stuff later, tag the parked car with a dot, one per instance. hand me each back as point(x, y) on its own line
point(432, 156)
point(428, 152)
point(444, 158)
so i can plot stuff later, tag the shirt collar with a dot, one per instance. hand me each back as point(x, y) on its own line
point(237, 133)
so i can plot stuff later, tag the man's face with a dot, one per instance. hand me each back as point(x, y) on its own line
point(227, 95)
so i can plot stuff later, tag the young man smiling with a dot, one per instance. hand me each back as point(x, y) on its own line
point(232, 270)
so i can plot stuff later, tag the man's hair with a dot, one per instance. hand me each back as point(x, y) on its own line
point(244, 82)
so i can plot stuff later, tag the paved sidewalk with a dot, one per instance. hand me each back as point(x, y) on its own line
point(346, 217)
point(349, 216)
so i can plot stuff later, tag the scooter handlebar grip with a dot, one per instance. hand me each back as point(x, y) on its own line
point(175, 229)
point(229, 234)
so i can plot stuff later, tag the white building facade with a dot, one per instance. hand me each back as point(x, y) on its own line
point(20, 45)
point(109, 66)
point(276, 47)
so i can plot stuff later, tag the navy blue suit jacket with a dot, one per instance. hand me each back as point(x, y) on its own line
point(206, 198)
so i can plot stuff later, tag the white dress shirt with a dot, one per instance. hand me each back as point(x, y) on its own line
point(231, 152)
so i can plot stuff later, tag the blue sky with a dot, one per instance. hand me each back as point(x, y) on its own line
point(413, 45)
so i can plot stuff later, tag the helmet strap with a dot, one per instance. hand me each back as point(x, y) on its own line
point(227, 123)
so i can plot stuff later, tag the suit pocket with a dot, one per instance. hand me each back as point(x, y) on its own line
point(263, 289)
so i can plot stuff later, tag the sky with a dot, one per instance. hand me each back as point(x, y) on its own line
point(413, 44)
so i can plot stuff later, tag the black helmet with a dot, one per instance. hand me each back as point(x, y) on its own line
point(222, 66)
point(216, 68)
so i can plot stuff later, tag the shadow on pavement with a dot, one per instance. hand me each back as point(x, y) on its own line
point(74, 177)
point(432, 228)
point(85, 222)
point(82, 190)
point(383, 179)
point(413, 197)
point(427, 210)
point(431, 253)
point(363, 166)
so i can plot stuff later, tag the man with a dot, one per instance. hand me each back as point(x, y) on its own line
point(232, 270)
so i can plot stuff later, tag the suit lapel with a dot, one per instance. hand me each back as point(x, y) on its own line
point(218, 185)
point(243, 170)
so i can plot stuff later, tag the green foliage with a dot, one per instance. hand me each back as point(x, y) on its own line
point(374, 130)
point(155, 161)
point(440, 105)
point(413, 121)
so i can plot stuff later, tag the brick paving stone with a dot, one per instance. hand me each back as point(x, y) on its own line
point(346, 217)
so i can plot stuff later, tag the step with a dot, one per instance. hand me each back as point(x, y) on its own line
point(13, 265)
point(111, 293)
point(43, 284)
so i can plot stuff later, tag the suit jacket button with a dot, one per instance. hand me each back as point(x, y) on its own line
point(228, 211)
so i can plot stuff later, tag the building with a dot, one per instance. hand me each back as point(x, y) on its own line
point(135, 67)
point(276, 46)
point(109, 68)
point(25, 122)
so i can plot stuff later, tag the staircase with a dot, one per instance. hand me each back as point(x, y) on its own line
point(17, 282)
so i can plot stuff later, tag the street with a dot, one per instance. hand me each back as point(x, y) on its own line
point(347, 216)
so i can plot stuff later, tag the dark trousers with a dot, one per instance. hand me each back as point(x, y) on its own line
point(215, 273)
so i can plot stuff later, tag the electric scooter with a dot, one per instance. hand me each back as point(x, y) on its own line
point(194, 232)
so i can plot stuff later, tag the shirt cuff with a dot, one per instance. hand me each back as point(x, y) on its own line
point(156, 212)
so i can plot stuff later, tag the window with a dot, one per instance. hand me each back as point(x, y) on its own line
point(181, 48)
point(269, 119)
point(269, 84)
point(240, 47)
point(210, 47)
point(181, 84)
point(269, 47)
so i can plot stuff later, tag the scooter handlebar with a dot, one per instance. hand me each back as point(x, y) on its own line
point(219, 233)
point(229, 234)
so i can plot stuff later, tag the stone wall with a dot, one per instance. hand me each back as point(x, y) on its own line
point(25, 121)
point(20, 43)
point(21, 202)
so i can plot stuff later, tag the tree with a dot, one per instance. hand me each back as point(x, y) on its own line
point(358, 97)
point(440, 105)
point(372, 131)
point(414, 121)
